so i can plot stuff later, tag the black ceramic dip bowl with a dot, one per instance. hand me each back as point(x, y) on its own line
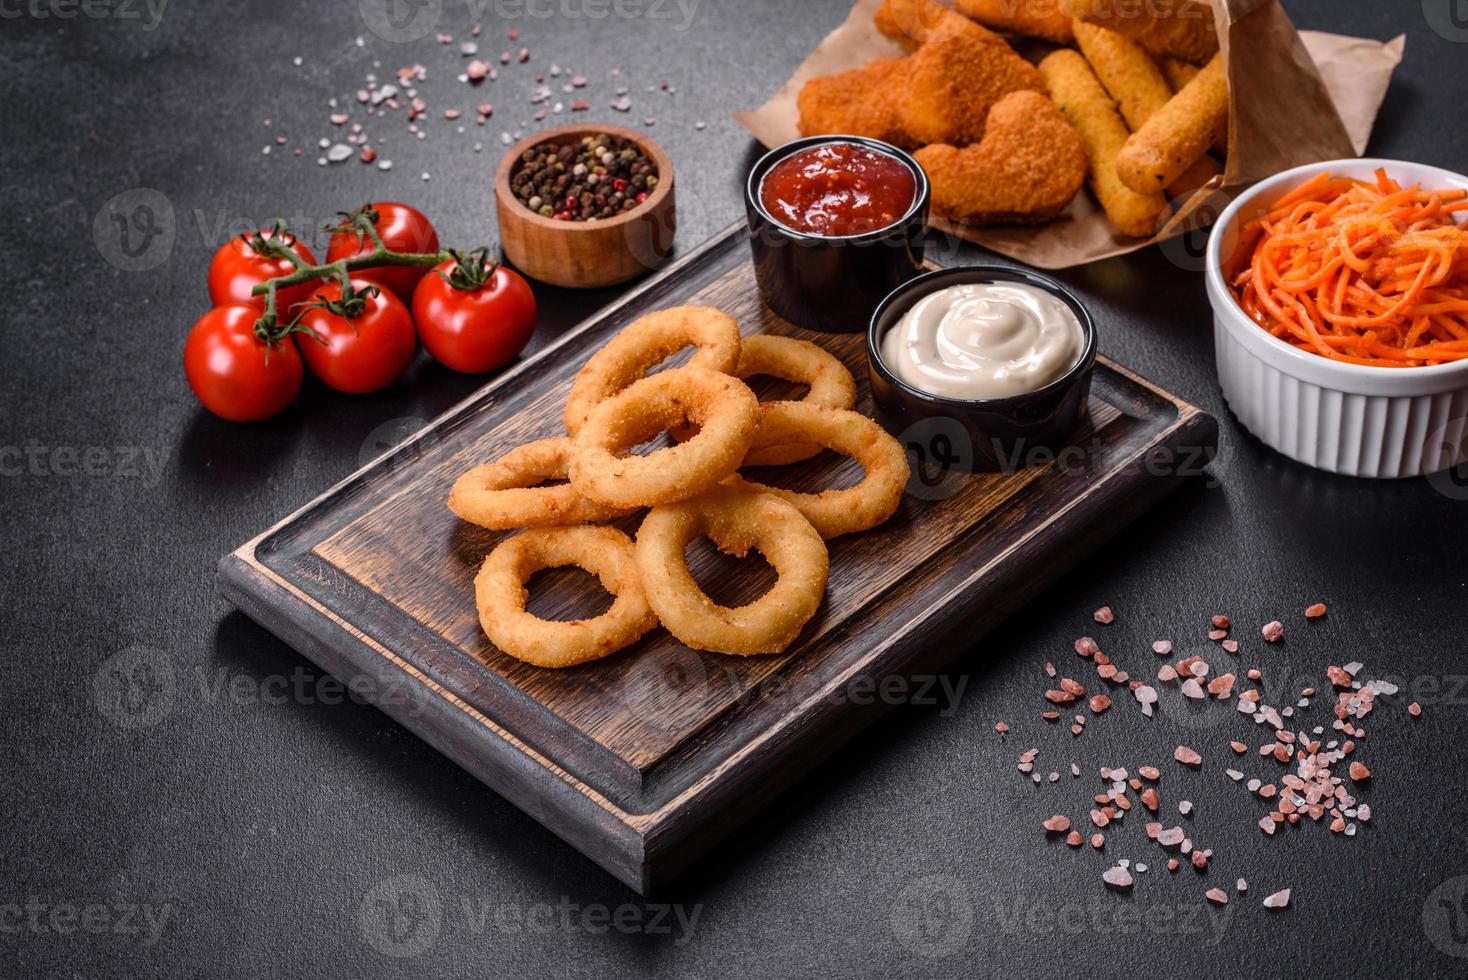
point(833, 282)
point(983, 434)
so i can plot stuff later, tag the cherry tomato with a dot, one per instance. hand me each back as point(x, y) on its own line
point(474, 329)
point(236, 374)
point(368, 352)
point(237, 268)
point(402, 229)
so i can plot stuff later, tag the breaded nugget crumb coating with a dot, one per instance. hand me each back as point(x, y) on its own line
point(1036, 18)
point(862, 102)
point(913, 23)
point(952, 83)
point(1028, 168)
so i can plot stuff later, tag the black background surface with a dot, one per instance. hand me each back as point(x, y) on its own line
point(266, 828)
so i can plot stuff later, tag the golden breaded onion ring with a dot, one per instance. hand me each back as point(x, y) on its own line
point(651, 339)
point(500, 594)
point(836, 512)
point(723, 409)
point(735, 522)
point(800, 362)
point(505, 494)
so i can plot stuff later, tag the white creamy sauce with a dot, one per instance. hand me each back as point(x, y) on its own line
point(984, 340)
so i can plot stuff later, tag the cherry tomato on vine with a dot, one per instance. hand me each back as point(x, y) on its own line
point(243, 262)
point(474, 315)
point(402, 228)
point(236, 372)
point(363, 339)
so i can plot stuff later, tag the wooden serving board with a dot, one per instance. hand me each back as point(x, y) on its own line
point(645, 759)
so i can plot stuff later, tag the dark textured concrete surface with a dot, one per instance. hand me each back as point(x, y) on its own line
point(183, 795)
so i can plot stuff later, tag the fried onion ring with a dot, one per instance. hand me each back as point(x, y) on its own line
point(506, 494)
point(734, 522)
point(836, 512)
point(647, 341)
point(500, 594)
point(724, 410)
point(801, 362)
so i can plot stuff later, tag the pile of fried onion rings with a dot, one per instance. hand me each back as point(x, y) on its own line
point(692, 486)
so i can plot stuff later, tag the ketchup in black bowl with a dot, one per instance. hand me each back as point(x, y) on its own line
point(835, 223)
point(838, 190)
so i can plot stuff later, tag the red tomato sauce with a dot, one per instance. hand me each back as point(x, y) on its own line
point(837, 190)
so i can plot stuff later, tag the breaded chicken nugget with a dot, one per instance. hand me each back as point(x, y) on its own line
point(1178, 134)
point(913, 23)
point(1079, 96)
point(1181, 28)
point(1028, 168)
point(953, 82)
point(1140, 91)
point(863, 102)
point(1036, 18)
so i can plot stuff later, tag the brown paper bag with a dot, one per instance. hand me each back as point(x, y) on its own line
point(1296, 98)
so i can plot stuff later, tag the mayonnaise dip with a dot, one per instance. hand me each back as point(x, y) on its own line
point(984, 340)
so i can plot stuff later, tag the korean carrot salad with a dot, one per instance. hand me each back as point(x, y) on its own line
point(1365, 272)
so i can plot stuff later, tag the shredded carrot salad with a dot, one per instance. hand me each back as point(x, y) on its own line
point(1362, 272)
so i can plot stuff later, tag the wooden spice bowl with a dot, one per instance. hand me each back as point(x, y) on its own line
point(586, 254)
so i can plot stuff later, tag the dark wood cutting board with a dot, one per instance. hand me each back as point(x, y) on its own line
point(647, 758)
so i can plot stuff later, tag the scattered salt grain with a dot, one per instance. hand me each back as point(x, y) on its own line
point(1278, 900)
point(1117, 877)
point(1273, 631)
point(1104, 615)
point(1217, 896)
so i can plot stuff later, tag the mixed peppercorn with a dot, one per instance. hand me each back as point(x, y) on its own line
point(598, 177)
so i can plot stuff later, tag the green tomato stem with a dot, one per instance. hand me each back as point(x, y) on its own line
point(380, 256)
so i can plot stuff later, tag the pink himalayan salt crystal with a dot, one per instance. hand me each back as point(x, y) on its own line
point(1057, 824)
point(1186, 756)
point(1217, 896)
point(1273, 631)
point(1162, 647)
point(1104, 615)
point(1117, 877)
point(1278, 900)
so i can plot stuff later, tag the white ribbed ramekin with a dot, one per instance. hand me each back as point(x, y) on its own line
point(1345, 418)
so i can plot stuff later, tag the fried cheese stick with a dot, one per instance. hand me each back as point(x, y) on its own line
point(1079, 96)
point(1178, 135)
point(1140, 91)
